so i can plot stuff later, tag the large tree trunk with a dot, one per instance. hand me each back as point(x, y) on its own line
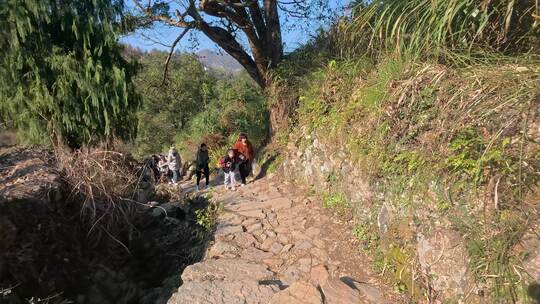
point(260, 25)
point(281, 110)
point(273, 32)
point(227, 42)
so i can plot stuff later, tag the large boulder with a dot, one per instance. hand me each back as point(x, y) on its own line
point(337, 292)
point(223, 292)
point(225, 281)
point(221, 269)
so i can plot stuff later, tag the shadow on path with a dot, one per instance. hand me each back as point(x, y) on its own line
point(264, 167)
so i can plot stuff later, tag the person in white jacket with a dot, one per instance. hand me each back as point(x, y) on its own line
point(174, 161)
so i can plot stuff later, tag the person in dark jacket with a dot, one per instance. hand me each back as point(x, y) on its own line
point(201, 165)
point(228, 165)
point(153, 164)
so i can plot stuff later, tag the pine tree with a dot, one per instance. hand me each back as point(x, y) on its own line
point(62, 76)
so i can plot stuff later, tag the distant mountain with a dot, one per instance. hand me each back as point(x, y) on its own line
point(218, 61)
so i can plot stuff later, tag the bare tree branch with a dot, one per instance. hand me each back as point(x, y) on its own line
point(181, 22)
point(299, 13)
point(173, 46)
point(155, 41)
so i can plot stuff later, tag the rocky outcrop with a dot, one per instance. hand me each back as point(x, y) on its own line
point(28, 175)
point(319, 165)
point(298, 293)
point(327, 167)
point(28, 183)
point(50, 249)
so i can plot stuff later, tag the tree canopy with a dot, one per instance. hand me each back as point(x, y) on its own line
point(229, 23)
point(165, 110)
point(62, 73)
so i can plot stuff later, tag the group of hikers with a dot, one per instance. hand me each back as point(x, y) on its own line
point(240, 156)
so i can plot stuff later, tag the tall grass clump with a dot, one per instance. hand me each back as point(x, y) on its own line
point(445, 29)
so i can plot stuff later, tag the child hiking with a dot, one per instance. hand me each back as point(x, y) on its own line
point(245, 153)
point(201, 165)
point(228, 164)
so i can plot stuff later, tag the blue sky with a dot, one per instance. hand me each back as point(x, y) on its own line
point(160, 36)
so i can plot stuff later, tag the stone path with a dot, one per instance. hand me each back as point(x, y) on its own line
point(273, 245)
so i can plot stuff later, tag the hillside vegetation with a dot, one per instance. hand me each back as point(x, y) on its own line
point(422, 118)
point(193, 106)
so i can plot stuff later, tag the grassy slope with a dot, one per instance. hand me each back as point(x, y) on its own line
point(435, 105)
point(452, 141)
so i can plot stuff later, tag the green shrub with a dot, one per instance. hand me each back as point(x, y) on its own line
point(238, 107)
point(206, 218)
point(366, 236)
point(336, 201)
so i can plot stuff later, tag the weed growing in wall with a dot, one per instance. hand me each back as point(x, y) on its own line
point(336, 201)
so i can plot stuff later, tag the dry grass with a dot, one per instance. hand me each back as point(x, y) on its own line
point(105, 183)
point(440, 28)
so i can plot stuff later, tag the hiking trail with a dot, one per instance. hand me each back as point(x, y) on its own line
point(274, 244)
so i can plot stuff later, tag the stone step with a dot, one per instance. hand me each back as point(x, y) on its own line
point(223, 292)
point(226, 269)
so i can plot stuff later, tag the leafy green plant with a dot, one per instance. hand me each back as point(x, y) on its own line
point(336, 201)
point(472, 155)
point(443, 206)
point(206, 218)
point(365, 236)
point(468, 148)
point(405, 162)
point(401, 287)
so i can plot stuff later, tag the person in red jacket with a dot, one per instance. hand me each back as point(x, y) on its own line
point(245, 153)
